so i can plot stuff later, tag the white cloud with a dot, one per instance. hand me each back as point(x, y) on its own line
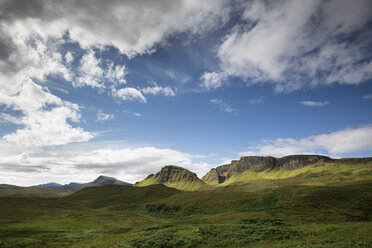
point(116, 74)
point(366, 97)
point(40, 126)
point(43, 119)
point(91, 73)
point(130, 94)
point(104, 117)
point(133, 27)
point(335, 143)
point(222, 105)
point(158, 90)
point(257, 100)
point(293, 43)
point(8, 118)
point(137, 114)
point(212, 80)
point(314, 104)
point(69, 58)
point(75, 164)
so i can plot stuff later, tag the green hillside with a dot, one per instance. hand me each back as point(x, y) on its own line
point(175, 177)
point(317, 174)
point(10, 190)
point(158, 216)
point(321, 204)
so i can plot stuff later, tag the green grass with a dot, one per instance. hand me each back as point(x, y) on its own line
point(189, 186)
point(288, 212)
point(328, 172)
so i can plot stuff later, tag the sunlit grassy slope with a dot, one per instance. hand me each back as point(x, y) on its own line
point(189, 186)
point(315, 206)
point(157, 216)
point(317, 174)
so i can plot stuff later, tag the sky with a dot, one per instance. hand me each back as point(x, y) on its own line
point(123, 88)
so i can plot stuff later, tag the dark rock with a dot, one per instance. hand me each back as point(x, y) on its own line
point(258, 164)
point(174, 174)
point(294, 162)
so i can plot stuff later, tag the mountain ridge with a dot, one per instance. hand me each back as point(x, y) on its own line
point(99, 181)
point(259, 164)
point(174, 176)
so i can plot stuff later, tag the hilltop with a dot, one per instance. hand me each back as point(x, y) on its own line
point(302, 167)
point(99, 181)
point(53, 189)
point(176, 177)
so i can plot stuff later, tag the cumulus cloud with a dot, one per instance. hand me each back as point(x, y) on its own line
point(94, 23)
point(222, 105)
point(125, 163)
point(104, 117)
point(69, 58)
point(158, 90)
point(212, 80)
point(336, 143)
point(295, 44)
point(42, 118)
point(130, 94)
point(314, 104)
point(91, 73)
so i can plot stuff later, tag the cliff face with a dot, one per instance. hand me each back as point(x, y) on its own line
point(294, 162)
point(258, 164)
point(175, 174)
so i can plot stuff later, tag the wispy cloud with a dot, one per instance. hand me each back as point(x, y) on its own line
point(257, 100)
point(366, 97)
point(104, 117)
point(314, 104)
point(335, 143)
point(223, 106)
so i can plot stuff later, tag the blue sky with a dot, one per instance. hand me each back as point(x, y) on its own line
point(125, 88)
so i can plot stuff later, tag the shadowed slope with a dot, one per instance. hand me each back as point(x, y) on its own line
point(175, 177)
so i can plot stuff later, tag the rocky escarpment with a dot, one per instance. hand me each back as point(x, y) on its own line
point(174, 176)
point(258, 164)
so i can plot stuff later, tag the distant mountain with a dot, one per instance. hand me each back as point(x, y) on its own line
point(99, 181)
point(175, 177)
point(250, 168)
point(103, 180)
point(49, 185)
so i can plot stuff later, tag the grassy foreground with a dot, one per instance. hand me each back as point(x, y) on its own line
point(337, 215)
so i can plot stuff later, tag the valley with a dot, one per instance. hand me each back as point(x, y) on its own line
point(300, 201)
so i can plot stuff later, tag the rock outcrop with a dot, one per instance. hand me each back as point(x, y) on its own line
point(258, 164)
point(174, 176)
